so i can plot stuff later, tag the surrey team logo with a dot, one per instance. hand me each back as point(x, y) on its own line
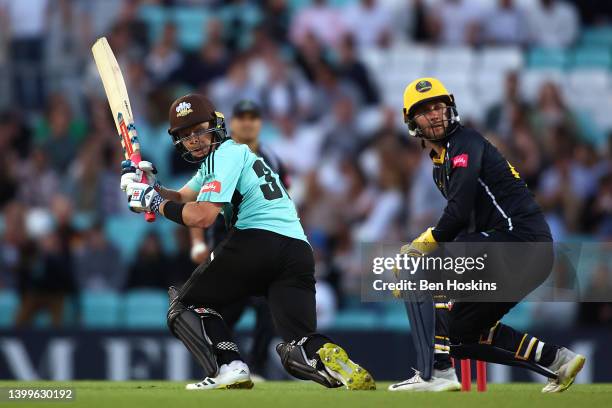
point(423, 86)
point(183, 109)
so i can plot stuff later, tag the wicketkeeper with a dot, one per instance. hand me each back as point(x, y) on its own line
point(487, 202)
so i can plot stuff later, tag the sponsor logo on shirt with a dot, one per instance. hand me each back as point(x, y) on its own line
point(460, 161)
point(212, 186)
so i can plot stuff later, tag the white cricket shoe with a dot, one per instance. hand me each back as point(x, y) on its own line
point(435, 384)
point(567, 365)
point(449, 374)
point(231, 376)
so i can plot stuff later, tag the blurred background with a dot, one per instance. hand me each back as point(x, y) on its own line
point(534, 76)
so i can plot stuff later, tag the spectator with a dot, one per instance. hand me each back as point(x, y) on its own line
point(329, 89)
point(564, 188)
point(502, 117)
point(234, 86)
point(165, 57)
point(369, 22)
point(150, 267)
point(276, 20)
point(15, 134)
point(27, 28)
point(14, 245)
point(239, 18)
point(381, 222)
point(342, 136)
point(46, 269)
point(309, 56)
point(60, 134)
point(553, 23)
point(208, 64)
point(456, 22)
point(552, 112)
point(597, 216)
point(182, 266)
point(594, 311)
point(98, 265)
point(298, 145)
point(506, 24)
point(39, 183)
point(353, 70)
point(321, 20)
point(286, 92)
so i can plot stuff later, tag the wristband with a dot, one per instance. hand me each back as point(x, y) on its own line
point(174, 211)
point(156, 202)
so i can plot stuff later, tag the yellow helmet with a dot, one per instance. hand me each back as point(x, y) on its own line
point(424, 90)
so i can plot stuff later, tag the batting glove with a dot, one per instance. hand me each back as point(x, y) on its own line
point(143, 198)
point(130, 173)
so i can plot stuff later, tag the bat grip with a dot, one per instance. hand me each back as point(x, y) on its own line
point(135, 158)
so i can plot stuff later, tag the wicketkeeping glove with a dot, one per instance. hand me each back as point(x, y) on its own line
point(142, 197)
point(421, 246)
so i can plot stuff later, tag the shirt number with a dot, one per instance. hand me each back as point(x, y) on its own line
point(270, 189)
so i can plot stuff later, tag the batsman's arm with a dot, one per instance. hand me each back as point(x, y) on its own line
point(195, 214)
point(184, 195)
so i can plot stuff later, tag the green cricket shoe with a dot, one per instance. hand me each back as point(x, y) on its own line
point(338, 364)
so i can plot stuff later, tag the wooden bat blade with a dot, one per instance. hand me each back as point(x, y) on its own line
point(119, 102)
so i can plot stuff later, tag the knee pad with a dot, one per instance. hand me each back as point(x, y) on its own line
point(188, 326)
point(294, 358)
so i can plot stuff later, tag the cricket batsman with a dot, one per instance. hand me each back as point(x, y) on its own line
point(487, 202)
point(245, 127)
point(265, 254)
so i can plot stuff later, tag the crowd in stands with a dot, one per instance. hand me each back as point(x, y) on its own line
point(329, 76)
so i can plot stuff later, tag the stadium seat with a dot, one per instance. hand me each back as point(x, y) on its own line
point(586, 81)
point(9, 302)
point(601, 36)
point(145, 308)
point(126, 231)
point(490, 87)
point(395, 317)
point(539, 58)
point(592, 57)
point(410, 57)
point(190, 23)
point(454, 59)
point(533, 79)
point(155, 17)
point(357, 319)
point(100, 309)
point(500, 59)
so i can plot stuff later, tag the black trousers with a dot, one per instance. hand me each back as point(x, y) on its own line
point(255, 262)
point(263, 332)
point(469, 319)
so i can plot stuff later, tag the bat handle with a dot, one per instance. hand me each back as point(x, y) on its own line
point(135, 158)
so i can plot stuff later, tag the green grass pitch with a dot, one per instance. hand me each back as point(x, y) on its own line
point(294, 394)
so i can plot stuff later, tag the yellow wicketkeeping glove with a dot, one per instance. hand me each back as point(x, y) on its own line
point(421, 246)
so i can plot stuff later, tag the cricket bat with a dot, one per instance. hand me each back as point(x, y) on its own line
point(119, 102)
